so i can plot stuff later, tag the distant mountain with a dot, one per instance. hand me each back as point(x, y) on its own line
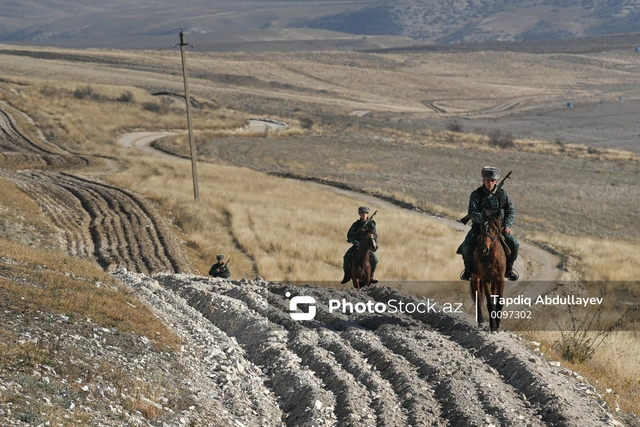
point(438, 21)
point(95, 22)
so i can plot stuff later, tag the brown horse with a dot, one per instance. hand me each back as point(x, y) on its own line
point(489, 264)
point(361, 261)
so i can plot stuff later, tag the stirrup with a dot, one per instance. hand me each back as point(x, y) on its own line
point(465, 275)
point(512, 275)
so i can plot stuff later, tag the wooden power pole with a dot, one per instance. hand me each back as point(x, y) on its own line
point(192, 143)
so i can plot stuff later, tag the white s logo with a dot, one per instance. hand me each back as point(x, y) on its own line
point(293, 307)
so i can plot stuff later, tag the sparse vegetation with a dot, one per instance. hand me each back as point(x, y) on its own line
point(454, 126)
point(501, 140)
point(585, 331)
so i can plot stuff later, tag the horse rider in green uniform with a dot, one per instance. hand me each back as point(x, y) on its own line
point(479, 200)
point(353, 237)
point(220, 268)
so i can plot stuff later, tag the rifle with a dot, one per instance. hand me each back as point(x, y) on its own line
point(220, 267)
point(366, 223)
point(466, 218)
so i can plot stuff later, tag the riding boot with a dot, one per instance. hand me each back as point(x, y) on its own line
point(373, 279)
point(346, 277)
point(374, 264)
point(511, 273)
point(466, 273)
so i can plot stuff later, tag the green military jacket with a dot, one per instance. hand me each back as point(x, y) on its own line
point(220, 270)
point(353, 235)
point(478, 200)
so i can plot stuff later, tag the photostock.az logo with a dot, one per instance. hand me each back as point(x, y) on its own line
point(296, 313)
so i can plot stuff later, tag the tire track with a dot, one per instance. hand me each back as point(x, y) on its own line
point(64, 210)
point(136, 239)
point(476, 392)
point(118, 228)
point(385, 401)
point(255, 398)
point(353, 403)
point(11, 139)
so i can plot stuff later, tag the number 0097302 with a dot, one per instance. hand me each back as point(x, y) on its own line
point(511, 314)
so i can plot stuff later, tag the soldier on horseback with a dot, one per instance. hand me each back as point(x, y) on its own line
point(487, 197)
point(354, 237)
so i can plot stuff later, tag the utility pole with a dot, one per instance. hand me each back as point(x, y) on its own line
point(192, 143)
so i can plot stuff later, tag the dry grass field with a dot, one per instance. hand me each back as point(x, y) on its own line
point(381, 123)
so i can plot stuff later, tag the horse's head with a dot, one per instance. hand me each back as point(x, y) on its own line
point(490, 229)
point(369, 240)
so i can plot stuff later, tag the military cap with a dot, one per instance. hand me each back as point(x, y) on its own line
point(219, 257)
point(489, 172)
point(363, 209)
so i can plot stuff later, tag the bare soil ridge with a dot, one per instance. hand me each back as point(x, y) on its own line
point(390, 370)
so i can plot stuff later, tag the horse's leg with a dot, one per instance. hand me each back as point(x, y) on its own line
point(498, 289)
point(476, 296)
point(491, 307)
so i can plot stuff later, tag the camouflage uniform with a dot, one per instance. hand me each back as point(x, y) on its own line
point(220, 269)
point(353, 237)
point(478, 200)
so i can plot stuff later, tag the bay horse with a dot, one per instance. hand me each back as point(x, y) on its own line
point(489, 264)
point(361, 260)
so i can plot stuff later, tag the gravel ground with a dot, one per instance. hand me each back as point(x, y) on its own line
point(341, 369)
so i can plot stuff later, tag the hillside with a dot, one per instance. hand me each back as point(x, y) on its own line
point(298, 24)
point(487, 20)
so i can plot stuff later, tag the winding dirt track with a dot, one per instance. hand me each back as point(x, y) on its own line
point(116, 227)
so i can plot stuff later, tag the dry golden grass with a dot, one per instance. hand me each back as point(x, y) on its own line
point(598, 259)
point(612, 370)
point(283, 229)
point(58, 284)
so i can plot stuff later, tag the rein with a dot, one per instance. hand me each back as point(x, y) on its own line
point(487, 231)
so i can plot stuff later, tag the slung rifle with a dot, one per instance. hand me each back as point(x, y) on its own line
point(466, 218)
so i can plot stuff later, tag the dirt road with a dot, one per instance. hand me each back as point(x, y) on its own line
point(534, 263)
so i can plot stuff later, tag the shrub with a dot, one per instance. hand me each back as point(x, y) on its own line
point(306, 123)
point(498, 139)
point(162, 108)
point(126, 96)
point(579, 342)
point(87, 92)
point(454, 126)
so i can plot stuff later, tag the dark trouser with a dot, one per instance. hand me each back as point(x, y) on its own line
point(469, 244)
point(346, 260)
